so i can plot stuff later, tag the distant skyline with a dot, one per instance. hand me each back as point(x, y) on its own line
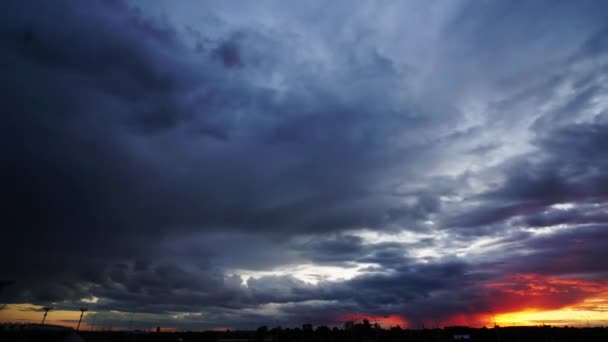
point(222, 164)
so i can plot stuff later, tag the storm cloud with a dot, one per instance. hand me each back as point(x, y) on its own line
point(205, 165)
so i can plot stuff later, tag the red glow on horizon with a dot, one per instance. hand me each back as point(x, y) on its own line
point(515, 296)
point(518, 292)
point(221, 329)
point(388, 321)
point(476, 320)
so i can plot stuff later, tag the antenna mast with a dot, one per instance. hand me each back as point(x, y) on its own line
point(46, 311)
point(82, 310)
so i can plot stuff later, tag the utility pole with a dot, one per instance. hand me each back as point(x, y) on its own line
point(82, 310)
point(46, 311)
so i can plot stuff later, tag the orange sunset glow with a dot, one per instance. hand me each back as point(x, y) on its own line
point(524, 300)
point(384, 321)
point(534, 293)
point(515, 300)
point(28, 313)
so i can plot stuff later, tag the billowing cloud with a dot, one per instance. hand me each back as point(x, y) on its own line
point(202, 165)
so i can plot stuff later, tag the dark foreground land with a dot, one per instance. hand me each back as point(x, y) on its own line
point(320, 334)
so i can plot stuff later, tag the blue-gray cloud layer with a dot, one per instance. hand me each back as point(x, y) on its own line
point(154, 153)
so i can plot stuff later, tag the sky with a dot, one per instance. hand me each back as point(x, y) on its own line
point(223, 164)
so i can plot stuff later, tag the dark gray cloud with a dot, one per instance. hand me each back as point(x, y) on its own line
point(212, 166)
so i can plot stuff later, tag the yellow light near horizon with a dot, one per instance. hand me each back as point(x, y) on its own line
point(570, 317)
point(26, 313)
